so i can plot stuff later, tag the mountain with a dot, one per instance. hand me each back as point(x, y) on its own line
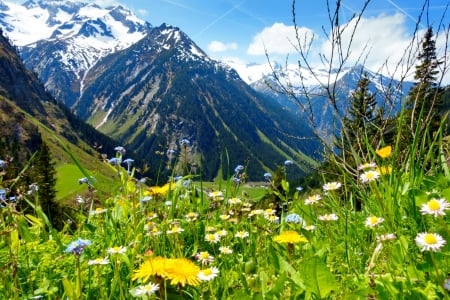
point(68, 38)
point(158, 90)
point(389, 92)
point(30, 116)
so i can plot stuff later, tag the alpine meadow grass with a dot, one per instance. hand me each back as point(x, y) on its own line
point(380, 234)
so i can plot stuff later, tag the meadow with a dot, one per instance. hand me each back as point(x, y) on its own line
point(379, 234)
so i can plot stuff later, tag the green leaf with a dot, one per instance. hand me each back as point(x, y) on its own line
point(68, 288)
point(293, 274)
point(317, 277)
point(285, 185)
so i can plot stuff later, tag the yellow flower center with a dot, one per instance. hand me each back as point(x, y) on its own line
point(433, 204)
point(207, 272)
point(370, 175)
point(204, 255)
point(430, 239)
point(373, 220)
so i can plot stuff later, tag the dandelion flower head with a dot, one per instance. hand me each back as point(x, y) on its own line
point(290, 237)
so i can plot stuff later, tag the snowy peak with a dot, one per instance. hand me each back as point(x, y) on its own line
point(43, 20)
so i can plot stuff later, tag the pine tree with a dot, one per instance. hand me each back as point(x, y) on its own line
point(424, 98)
point(44, 174)
point(359, 125)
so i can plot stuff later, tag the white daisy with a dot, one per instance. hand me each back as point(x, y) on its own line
point(435, 207)
point(98, 261)
point(313, 199)
point(369, 176)
point(208, 274)
point(225, 250)
point(241, 234)
point(212, 237)
point(429, 241)
point(373, 221)
point(145, 290)
point(328, 217)
point(331, 186)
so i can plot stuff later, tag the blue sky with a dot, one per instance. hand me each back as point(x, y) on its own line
point(243, 29)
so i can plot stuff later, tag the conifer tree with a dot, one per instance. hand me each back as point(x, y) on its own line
point(424, 98)
point(359, 123)
point(44, 174)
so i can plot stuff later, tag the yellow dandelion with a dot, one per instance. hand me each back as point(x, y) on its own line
point(151, 267)
point(384, 152)
point(384, 170)
point(290, 237)
point(181, 271)
point(158, 190)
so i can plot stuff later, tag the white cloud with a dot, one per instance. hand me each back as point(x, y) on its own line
point(218, 46)
point(375, 40)
point(277, 39)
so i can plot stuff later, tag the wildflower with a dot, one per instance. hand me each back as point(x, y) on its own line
point(210, 228)
point(158, 190)
point(328, 217)
point(128, 162)
point(373, 221)
point(234, 201)
point(294, 218)
point(76, 247)
point(386, 237)
point(146, 199)
point(152, 216)
point(366, 166)
point(185, 142)
point(435, 207)
point(272, 218)
point(175, 229)
point(313, 199)
point(168, 203)
point(117, 250)
point(79, 199)
point(192, 216)
point(208, 274)
point(446, 284)
point(181, 271)
point(145, 290)
point(241, 234)
point(120, 149)
point(115, 161)
point(269, 211)
point(384, 152)
point(267, 176)
point(224, 217)
point(98, 261)
point(299, 188)
point(429, 241)
point(212, 238)
point(288, 163)
point(369, 176)
point(216, 195)
point(2, 164)
point(225, 250)
point(256, 212)
point(150, 267)
point(204, 257)
point(238, 168)
point(154, 231)
point(97, 211)
point(222, 232)
point(290, 237)
point(331, 186)
point(310, 227)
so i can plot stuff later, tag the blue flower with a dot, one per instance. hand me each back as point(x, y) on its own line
point(288, 163)
point(267, 176)
point(115, 161)
point(294, 218)
point(299, 188)
point(238, 168)
point(185, 142)
point(76, 247)
point(120, 149)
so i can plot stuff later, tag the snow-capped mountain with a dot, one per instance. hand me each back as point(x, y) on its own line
point(159, 90)
point(77, 35)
